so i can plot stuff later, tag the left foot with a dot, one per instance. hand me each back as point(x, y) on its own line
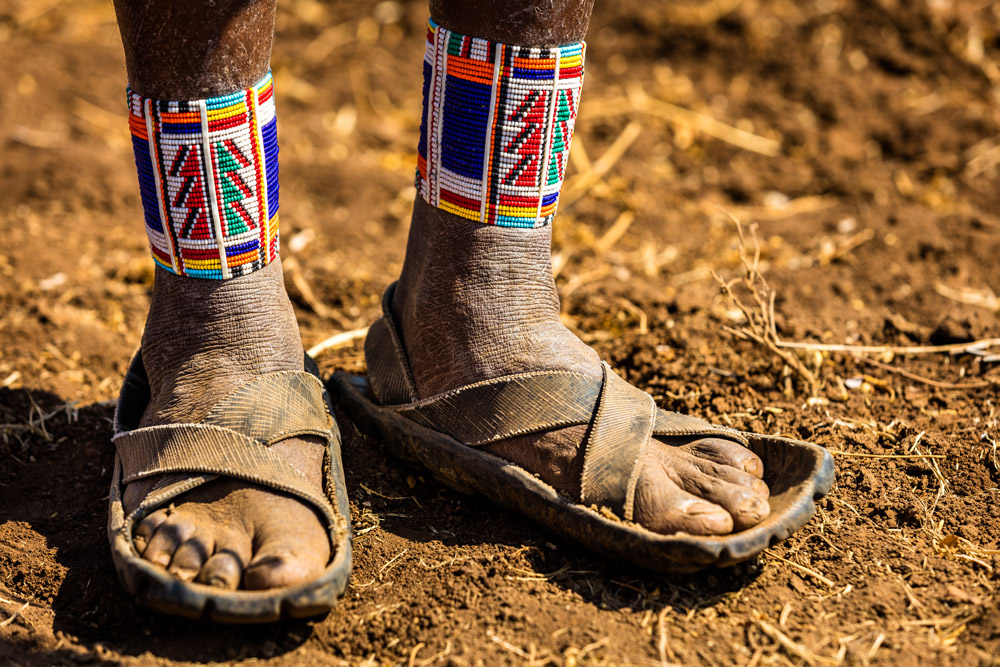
point(477, 302)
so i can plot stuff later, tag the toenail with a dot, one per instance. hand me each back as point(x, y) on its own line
point(217, 582)
point(183, 574)
point(753, 508)
point(696, 507)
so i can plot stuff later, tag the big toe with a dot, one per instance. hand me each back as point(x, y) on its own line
point(290, 545)
point(680, 491)
point(282, 564)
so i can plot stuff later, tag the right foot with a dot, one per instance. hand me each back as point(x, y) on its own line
point(204, 339)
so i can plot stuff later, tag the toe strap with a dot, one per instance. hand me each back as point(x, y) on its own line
point(233, 441)
point(208, 449)
point(619, 434)
point(624, 423)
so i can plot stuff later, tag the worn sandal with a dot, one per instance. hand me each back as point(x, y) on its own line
point(232, 441)
point(441, 433)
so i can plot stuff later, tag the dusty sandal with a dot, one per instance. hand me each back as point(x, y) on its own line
point(232, 441)
point(441, 433)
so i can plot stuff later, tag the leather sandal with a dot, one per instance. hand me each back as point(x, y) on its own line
point(232, 441)
point(442, 433)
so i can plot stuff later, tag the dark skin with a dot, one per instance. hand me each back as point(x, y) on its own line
point(474, 302)
point(194, 50)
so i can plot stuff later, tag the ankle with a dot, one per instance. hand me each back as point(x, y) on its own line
point(478, 301)
point(451, 261)
point(204, 338)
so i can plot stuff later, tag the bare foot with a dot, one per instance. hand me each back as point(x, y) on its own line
point(476, 302)
point(204, 339)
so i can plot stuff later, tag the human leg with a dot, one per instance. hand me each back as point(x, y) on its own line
point(205, 337)
point(477, 301)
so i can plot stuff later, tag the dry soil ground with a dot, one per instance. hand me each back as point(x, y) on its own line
point(861, 136)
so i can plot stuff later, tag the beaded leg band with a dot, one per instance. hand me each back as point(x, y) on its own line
point(496, 128)
point(208, 177)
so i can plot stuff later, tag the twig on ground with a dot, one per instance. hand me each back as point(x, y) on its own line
point(663, 646)
point(585, 181)
point(638, 313)
point(581, 279)
point(382, 495)
point(639, 100)
point(942, 481)
point(887, 456)
point(36, 425)
point(985, 298)
point(760, 326)
point(369, 520)
point(808, 204)
point(14, 615)
point(305, 290)
point(391, 561)
point(440, 655)
point(413, 654)
point(808, 570)
point(614, 233)
point(793, 647)
point(919, 378)
point(342, 339)
point(507, 646)
point(951, 348)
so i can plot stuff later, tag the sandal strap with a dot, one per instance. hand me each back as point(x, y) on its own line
point(232, 441)
point(389, 373)
point(622, 418)
point(201, 449)
point(674, 424)
point(274, 407)
point(622, 426)
point(494, 410)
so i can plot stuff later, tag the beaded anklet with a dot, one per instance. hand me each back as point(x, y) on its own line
point(216, 217)
point(496, 127)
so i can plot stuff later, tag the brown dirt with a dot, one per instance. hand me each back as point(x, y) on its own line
point(880, 196)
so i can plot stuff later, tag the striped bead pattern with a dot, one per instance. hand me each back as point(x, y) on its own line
point(496, 127)
point(208, 179)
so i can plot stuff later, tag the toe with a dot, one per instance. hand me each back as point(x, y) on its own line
point(277, 565)
point(745, 501)
point(726, 452)
point(147, 527)
point(164, 542)
point(190, 556)
point(289, 551)
point(729, 474)
point(223, 570)
point(663, 507)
